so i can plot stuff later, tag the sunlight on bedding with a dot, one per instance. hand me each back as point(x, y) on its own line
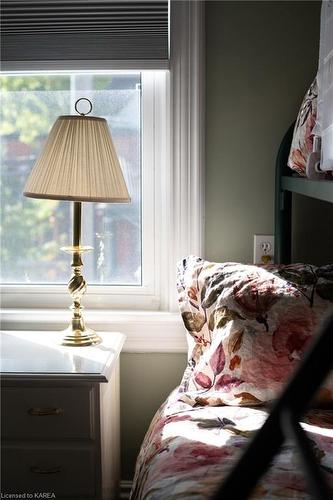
point(188, 451)
point(212, 429)
point(189, 430)
point(321, 431)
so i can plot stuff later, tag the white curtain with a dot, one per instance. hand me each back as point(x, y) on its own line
point(324, 126)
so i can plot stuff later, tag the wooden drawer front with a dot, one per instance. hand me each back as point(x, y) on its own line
point(47, 413)
point(65, 472)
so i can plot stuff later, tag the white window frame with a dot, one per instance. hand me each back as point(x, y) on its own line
point(146, 295)
point(151, 321)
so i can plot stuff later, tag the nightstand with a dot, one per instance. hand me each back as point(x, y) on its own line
point(60, 416)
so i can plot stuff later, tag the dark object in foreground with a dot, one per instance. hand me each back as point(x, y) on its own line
point(282, 423)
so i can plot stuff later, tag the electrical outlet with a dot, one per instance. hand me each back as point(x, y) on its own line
point(263, 250)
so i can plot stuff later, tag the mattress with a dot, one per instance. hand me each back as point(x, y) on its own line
point(187, 452)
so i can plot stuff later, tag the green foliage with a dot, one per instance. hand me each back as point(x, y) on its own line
point(34, 83)
point(33, 116)
point(102, 82)
point(33, 230)
point(30, 232)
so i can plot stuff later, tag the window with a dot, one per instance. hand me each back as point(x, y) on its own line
point(123, 235)
point(171, 213)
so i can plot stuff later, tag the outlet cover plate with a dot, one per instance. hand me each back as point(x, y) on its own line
point(263, 249)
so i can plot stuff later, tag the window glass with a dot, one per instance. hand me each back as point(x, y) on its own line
point(32, 230)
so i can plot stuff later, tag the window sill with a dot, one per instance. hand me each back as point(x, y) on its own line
point(146, 331)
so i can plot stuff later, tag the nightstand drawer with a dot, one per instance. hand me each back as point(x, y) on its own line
point(66, 472)
point(59, 416)
point(47, 413)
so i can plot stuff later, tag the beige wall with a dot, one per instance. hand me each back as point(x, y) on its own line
point(146, 381)
point(261, 57)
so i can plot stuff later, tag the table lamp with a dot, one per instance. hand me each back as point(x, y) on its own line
point(78, 163)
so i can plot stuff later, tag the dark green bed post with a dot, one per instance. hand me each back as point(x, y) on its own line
point(282, 251)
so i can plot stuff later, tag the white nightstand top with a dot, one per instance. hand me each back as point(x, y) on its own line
point(35, 353)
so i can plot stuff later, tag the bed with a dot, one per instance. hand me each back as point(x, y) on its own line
point(248, 328)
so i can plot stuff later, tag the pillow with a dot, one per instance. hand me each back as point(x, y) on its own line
point(302, 143)
point(250, 325)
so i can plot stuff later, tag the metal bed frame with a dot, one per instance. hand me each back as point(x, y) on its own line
point(285, 185)
point(283, 420)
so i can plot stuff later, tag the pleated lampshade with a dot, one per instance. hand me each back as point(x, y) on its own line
point(78, 163)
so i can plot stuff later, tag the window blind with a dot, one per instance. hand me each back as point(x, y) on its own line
point(83, 34)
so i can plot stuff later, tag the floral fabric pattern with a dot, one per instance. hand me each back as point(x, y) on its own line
point(302, 143)
point(187, 452)
point(250, 326)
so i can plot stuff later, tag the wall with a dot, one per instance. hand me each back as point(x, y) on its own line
point(261, 57)
point(146, 381)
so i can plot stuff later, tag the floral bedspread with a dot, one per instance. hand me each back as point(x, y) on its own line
point(188, 451)
point(250, 326)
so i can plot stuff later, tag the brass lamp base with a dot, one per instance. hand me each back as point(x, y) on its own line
point(80, 338)
point(77, 334)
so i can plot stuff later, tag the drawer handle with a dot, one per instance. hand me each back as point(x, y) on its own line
point(49, 470)
point(42, 412)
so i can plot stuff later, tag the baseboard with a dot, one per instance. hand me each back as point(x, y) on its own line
point(125, 489)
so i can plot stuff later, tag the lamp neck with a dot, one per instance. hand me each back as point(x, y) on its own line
point(77, 224)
